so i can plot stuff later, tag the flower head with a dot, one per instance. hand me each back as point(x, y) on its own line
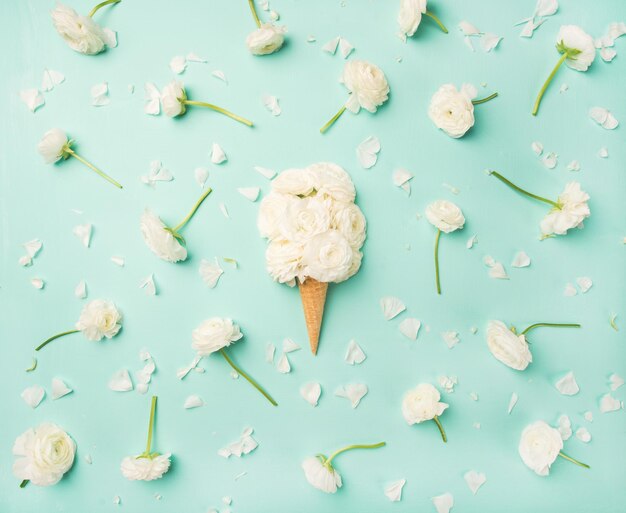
point(145, 468)
point(53, 146)
point(160, 239)
point(214, 334)
point(539, 446)
point(577, 45)
point(367, 85)
point(328, 257)
point(266, 39)
point(453, 111)
point(445, 216)
point(81, 33)
point(422, 404)
point(321, 475)
point(98, 319)
point(173, 99)
point(410, 16)
point(508, 347)
point(571, 212)
point(46, 453)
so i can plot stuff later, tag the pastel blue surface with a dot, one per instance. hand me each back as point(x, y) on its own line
point(36, 201)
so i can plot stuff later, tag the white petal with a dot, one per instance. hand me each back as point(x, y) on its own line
point(567, 384)
point(603, 153)
point(156, 174)
point(250, 193)
point(550, 160)
point(608, 403)
point(583, 434)
point(607, 54)
point(570, 290)
point(110, 37)
point(331, 46)
point(468, 29)
point(448, 383)
point(574, 165)
point(588, 416)
point(345, 48)
point(245, 445)
point(616, 381)
point(148, 285)
point(528, 29)
point(564, 87)
point(270, 350)
point(33, 247)
point(38, 283)
point(178, 64)
point(443, 503)
point(521, 260)
point(611, 122)
point(210, 272)
point(120, 381)
point(537, 147)
point(218, 73)
point(271, 104)
point(391, 307)
point(201, 175)
point(354, 392)
point(224, 210)
point(59, 388)
point(474, 480)
point(598, 114)
point(394, 491)
point(469, 43)
point(489, 41)
point(192, 57)
point(282, 365)
point(51, 78)
point(33, 395)
point(193, 401)
point(471, 241)
point(410, 327)
point(289, 346)
point(83, 232)
point(32, 98)
point(267, 173)
point(100, 95)
point(451, 338)
point(181, 373)
point(311, 392)
point(512, 402)
point(153, 99)
point(546, 7)
point(81, 290)
point(367, 152)
point(354, 353)
point(498, 272)
point(401, 176)
point(565, 427)
point(217, 154)
point(118, 260)
point(584, 283)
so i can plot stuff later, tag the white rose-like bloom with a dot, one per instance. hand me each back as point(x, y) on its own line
point(52, 145)
point(99, 319)
point(511, 349)
point(367, 84)
point(145, 469)
point(320, 476)
point(214, 334)
point(573, 210)
point(268, 38)
point(298, 182)
point(283, 259)
point(304, 219)
point(172, 99)
point(350, 222)
point(46, 453)
point(445, 216)
point(574, 38)
point(271, 212)
point(333, 182)
point(81, 33)
point(539, 446)
point(160, 241)
point(451, 110)
point(410, 16)
point(328, 257)
point(422, 404)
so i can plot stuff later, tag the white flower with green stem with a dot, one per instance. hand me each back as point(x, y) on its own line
point(410, 17)
point(148, 465)
point(321, 474)
point(577, 51)
point(422, 404)
point(164, 241)
point(175, 103)
point(55, 146)
point(267, 38)
point(568, 211)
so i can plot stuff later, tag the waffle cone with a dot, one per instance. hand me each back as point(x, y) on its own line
point(313, 295)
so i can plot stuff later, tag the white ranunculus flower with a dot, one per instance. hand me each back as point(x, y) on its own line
point(81, 33)
point(539, 446)
point(99, 319)
point(350, 222)
point(45, 454)
point(410, 16)
point(451, 110)
point(173, 99)
point(214, 334)
point(422, 404)
point(367, 85)
point(271, 212)
point(333, 182)
point(322, 477)
point(266, 39)
point(445, 216)
point(572, 37)
point(304, 219)
point(283, 259)
point(298, 182)
point(52, 146)
point(328, 257)
point(573, 210)
point(145, 468)
point(161, 241)
point(508, 347)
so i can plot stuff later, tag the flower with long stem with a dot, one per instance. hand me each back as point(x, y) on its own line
point(568, 211)
point(164, 241)
point(422, 404)
point(577, 51)
point(55, 146)
point(267, 38)
point(148, 465)
point(321, 474)
point(175, 102)
point(216, 334)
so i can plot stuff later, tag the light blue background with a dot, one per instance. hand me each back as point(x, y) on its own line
point(36, 202)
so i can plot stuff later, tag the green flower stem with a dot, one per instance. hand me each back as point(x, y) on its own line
point(519, 189)
point(180, 225)
point(151, 425)
point(547, 83)
point(254, 14)
point(441, 430)
point(549, 325)
point(333, 119)
point(238, 370)
point(58, 335)
point(437, 261)
point(102, 4)
point(72, 153)
point(485, 100)
point(220, 110)
point(24, 483)
point(576, 462)
point(350, 447)
point(437, 21)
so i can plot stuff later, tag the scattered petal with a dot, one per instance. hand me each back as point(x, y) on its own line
point(394, 491)
point(588, 416)
point(331, 46)
point(217, 154)
point(81, 290)
point(448, 383)
point(100, 95)
point(574, 165)
point(550, 160)
point(267, 173)
point(283, 365)
point(521, 260)
point(391, 307)
point(583, 434)
point(250, 193)
point(570, 290)
point(443, 503)
point(271, 104)
point(410, 327)
point(311, 392)
point(367, 152)
point(616, 381)
point(148, 285)
point(181, 373)
point(218, 73)
point(354, 353)
point(567, 384)
point(210, 272)
point(603, 117)
point(32, 247)
point(565, 427)
point(584, 283)
point(512, 402)
point(245, 445)
point(474, 480)
point(193, 401)
point(451, 338)
point(120, 382)
point(118, 260)
point(489, 41)
point(192, 57)
point(32, 98)
point(156, 174)
point(471, 242)
point(201, 175)
point(59, 388)
point(608, 403)
point(153, 99)
point(270, 350)
point(468, 29)
point(354, 392)
point(345, 48)
point(401, 179)
point(537, 147)
point(603, 153)
point(224, 210)
point(51, 79)
point(33, 395)
point(83, 232)
point(178, 64)
point(289, 346)
point(38, 283)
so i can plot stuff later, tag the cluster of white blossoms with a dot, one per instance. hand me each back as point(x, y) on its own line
point(313, 226)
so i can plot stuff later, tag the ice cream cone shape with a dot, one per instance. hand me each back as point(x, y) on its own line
point(313, 294)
